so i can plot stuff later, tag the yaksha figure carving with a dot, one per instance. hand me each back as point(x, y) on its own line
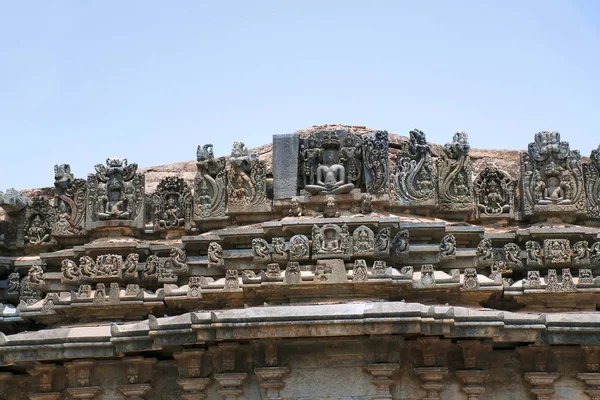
point(39, 217)
point(330, 174)
point(210, 185)
point(552, 177)
point(454, 170)
point(69, 202)
point(116, 192)
point(351, 159)
point(494, 193)
point(172, 203)
point(246, 184)
point(413, 175)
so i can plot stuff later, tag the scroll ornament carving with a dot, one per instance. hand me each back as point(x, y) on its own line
point(246, 185)
point(448, 248)
point(551, 176)
point(209, 185)
point(376, 162)
point(131, 265)
point(413, 175)
point(581, 253)
point(485, 252)
point(215, 255)
point(116, 191)
point(279, 249)
point(494, 190)
point(454, 175)
point(32, 285)
point(69, 202)
point(13, 285)
point(400, 244)
point(172, 202)
point(177, 261)
point(151, 267)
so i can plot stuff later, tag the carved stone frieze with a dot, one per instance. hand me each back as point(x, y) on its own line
point(331, 241)
point(533, 254)
point(551, 177)
point(69, 203)
point(364, 241)
point(38, 219)
point(455, 190)
point(299, 248)
point(246, 180)
point(215, 255)
point(485, 252)
point(557, 252)
point(172, 204)
point(494, 193)
point(375, 154)
point(448, 248)
point(210, 185)
point(413, 177)
point(400, 244)
point(115, 193)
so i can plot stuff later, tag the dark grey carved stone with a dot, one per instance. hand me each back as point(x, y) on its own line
point(485, 252)
point(533, 254)
point(413, 177)
point(321, 167)
point(376, 160)
point(586, 276)
point(210, 186)
point(69, 202)
point(331, 241)
point(455, 190)
point(591, 172)
point(363, 241)
point(172, 203)
point(581, 253)
point(382, 243)
point(299, 248)
point(13, 284)
point(37, 222)
point(551, 177)
point(400, 244)
point(215, 255)
point(285, 165)
point(115, 193)
point(494, 194)
point(246, 180)
point(351, 157)
point(557, 252)
point(448, 248)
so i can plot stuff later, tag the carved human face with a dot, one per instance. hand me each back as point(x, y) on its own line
point(171, 201)
point(329, 157)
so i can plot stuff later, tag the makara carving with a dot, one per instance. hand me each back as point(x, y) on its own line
point(209, 185)
point(455, 190)
point(413, 175)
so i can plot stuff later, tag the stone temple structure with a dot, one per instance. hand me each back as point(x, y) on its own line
point(337, 263)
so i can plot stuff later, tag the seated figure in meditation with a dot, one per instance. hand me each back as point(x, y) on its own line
point(331, 176)
point(553, 192)
point(115, 206)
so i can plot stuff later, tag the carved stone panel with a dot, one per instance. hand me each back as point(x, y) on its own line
point(494, 194)
point(551, 177)
point(246, 180)
point(448, 248)
point(557, 252)
point(581, 253)
point(37, 222)
point(455, 190)
point(375, 154)
point(69, 203)
point(413, 176)
point(279, 249)
point(533, 254)
point(364, 241)
point(115, 195)
point(172, 204)
point(485, 252)
point(382, 243)
point(299, 248)
point(591, 172)
point(331, 241)
point(209, 185)
point(262, 252)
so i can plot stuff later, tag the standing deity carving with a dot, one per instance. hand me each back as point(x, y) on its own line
point(454, 175)
point(69, 202)
point(375, 149)
point(246, 185)
point(364, 241)
point(172, 204)
point(413, 175)
point(331, 241)
point(209, 185)
point(116, 192)
point(351, 158)
point(551, 177)
point(494, 193)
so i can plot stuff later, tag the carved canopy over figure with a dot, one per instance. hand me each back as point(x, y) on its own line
point(493, 192)
point(209, 184)
point(413, 175)
point(551, 176)
point(330, 174)
point(39, 217)
point(116, 191)
point(172, 204)
point(454, 170)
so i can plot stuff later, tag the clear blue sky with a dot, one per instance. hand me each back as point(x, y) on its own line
point(148, 80)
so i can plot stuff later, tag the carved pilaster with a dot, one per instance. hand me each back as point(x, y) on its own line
point(473, 381)
point(382, 379)
point(139, 373)
point(271, 380)
point(432, 380)
point(79, 372)
point(592, 384)
point(231, 384)
point(541, 383)
point(43, 375)
point(189, 363)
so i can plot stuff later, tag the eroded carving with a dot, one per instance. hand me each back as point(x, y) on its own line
point(400, 244)
point(382, 243)
point(557, 251)
point(581, 253)
point(376, 162)
point(359, 273)
point(413, 176)
point(470, 280)
point(533, 254)
point(246, 184)
point(172, 203)
point(448, 248)
point(299, 247)
point(279, 249)
point(215, 255)
point(209, 185)
point(69, 202)
point(39, 218)
point(364, 241)
point(455, 190)
point(485, 252)
point(494, 193)
point(262, 252)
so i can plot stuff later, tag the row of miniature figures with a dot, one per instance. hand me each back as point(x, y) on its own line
point(553, 183)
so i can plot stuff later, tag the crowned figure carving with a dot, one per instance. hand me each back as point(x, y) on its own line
point(494, 193)
point(551, 177)
point(37, 222)
point(413, 175)
point(69, 202)
point(115, 193)
point(328, 175)
point(209, 185)
point(172, 203)
point(246, 184)
point(454, 175)
point(592, 184)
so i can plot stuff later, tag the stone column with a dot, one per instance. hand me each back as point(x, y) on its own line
point(79, 372)
point(271, 380)
point(139, 373)
point(43, 375)
point(473, 381)
point(231, 384)
point(542, 384)
point(189, 363)
point(5, 378)
point(382, 379)
point(432, 380)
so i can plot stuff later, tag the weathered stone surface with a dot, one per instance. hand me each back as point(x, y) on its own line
point(285, 165)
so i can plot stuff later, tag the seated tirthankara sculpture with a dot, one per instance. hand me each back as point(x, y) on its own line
point(330, 175)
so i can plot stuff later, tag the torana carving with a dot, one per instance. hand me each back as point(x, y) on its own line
point(364, 241)
point(376, 162)
point(413, 175)
point(455, 190)
point(115, 192)
point(551, 177)
point(172, 202)
point(69, 202)
point(215, 255)
point(38, 220)
point(209, 185)
point(246, 185)
point(494, 193)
